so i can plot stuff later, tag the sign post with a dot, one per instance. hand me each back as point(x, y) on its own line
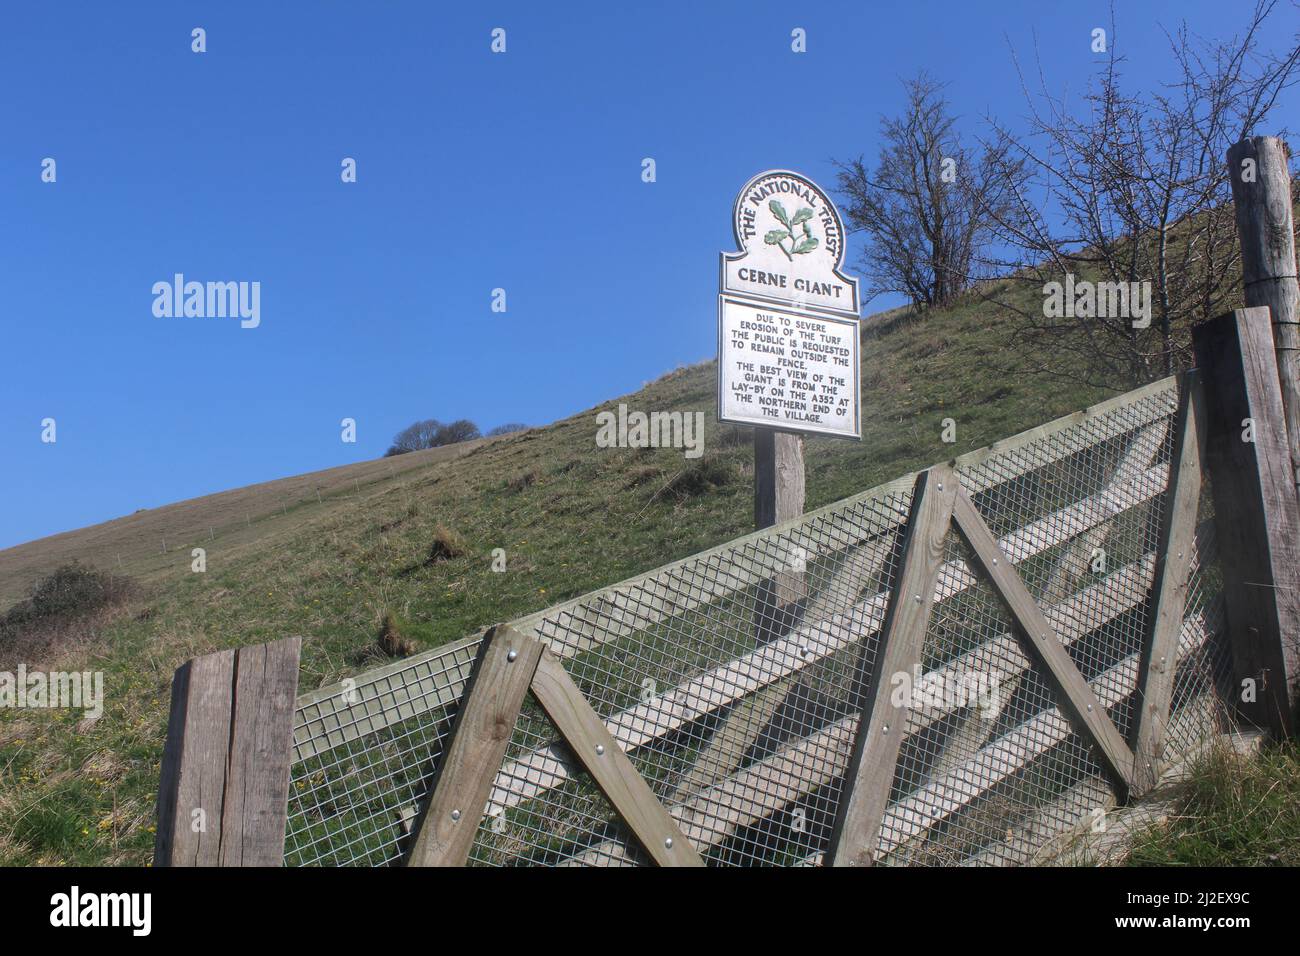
point(787, 344)
point(787, 333)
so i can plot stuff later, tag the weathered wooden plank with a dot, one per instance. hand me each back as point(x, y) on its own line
point(1075, 619)
point(1253, 486)
point(609, 767)
point(1029, 451)
point(1169, 592)
point(713, 814)
point(506, 664)
point(223, 792)
point(254, 812)
point(1075, 561)
point(341, 713)
point(883, 722)
point(1027, 448)
point(194, 762)
point(1040, 838)
point(749, 795)
point(1003, 662)
point(1080, 803)
point(1042, 642)
point(1268, 265)
point(778, 498)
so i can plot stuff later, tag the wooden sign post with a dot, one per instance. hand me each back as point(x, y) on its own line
point(787, 350)
point(778, 476)
point(778, 497)
point(787, 333)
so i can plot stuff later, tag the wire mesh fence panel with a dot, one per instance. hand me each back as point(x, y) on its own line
point(734, 680)
point(738, 712)
point(364, 754)
point(576, 826)
point(1203, 675)
point(987, 747)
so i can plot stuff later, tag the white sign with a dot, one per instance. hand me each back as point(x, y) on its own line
point(791, 243)
point(787, 369)
point(787, 315)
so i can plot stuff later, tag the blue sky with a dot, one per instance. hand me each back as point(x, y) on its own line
point(475, 171)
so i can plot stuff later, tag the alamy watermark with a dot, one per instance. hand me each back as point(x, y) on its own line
point(75, 908)
point(1102, 300)
point(943, 691)
point(655, 430)
point(56, 690)
point(209, 300)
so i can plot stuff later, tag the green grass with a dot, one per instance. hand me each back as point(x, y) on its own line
point(570, 517)
point(1233, 811)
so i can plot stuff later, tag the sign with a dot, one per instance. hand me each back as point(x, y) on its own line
point(791, 242)
point(786, 369)
point(788, 327)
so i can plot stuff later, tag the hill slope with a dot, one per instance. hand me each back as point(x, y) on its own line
point(153, 542)
point(570, 517)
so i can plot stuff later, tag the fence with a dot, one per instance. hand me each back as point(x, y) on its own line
point(956, 667)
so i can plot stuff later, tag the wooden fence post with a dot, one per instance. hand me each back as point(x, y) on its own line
point(1253, 484)
point(883, 724)
point(1158, 662)
point(485, 721)
point(1261, 193)
point(778, 496)
point(224, 789)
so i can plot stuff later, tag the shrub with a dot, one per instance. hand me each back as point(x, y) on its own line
point(415, 437)
point(520, 482)
point(65, 606)
point(391, 640)
point(701, 476)
point(72, 590)
point(447, 544)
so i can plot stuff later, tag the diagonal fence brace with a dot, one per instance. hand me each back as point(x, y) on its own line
point(1042, 645)
point(510, 665)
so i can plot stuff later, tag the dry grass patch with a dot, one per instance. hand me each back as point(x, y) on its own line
point(1234, 810)
point(447, 545)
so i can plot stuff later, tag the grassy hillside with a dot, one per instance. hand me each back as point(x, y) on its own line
point(151, 544)
point(570, 516)
point(1235, 810)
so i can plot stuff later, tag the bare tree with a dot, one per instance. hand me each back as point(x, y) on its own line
point(432, 433)
point(931, 204)
point(415, 437)
point(1135, 195)
point(458, 431)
